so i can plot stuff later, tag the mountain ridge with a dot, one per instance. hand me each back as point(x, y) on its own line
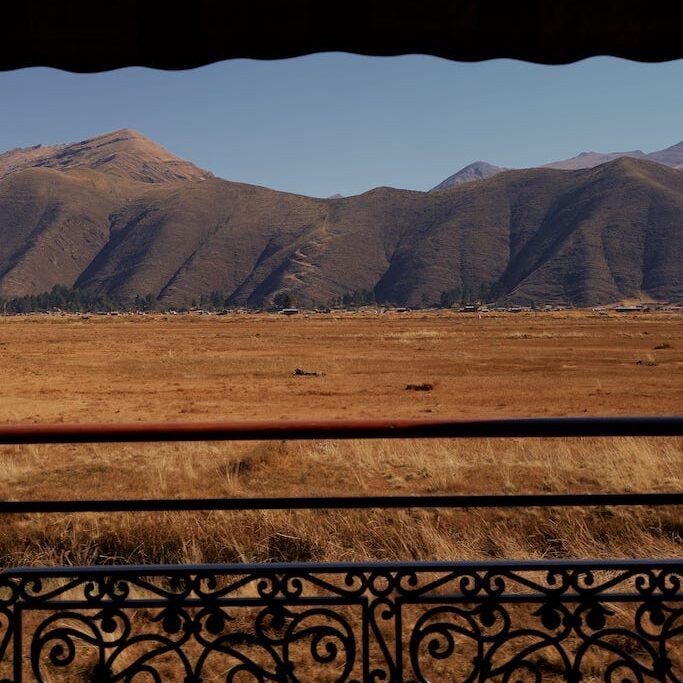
point(542, 235)
point(670, 156)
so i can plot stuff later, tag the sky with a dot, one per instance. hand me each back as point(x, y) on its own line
point(338, 123)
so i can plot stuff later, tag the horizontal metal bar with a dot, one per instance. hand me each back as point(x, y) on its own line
point(142, 603)
point(343, 429)
point(534, 598)
point(343, 502)
point(293, 568)
point(336, 601)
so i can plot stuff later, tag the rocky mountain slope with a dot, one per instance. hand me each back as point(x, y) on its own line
point(540, 235)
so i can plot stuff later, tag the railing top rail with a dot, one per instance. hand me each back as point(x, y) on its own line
point(269, 430)
point(322, 567)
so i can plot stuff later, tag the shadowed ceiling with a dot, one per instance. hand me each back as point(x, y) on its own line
point(80, 35)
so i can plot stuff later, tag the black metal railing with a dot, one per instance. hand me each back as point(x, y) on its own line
point(609, 620)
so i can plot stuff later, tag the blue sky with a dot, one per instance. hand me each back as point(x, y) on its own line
point(331, 123)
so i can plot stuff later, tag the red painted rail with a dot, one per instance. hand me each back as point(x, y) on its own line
point(251, 430)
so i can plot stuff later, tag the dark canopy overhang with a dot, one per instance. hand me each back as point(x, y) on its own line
point(96, 35)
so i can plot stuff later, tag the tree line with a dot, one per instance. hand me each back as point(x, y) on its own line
point(71, 300)
point(74, 300)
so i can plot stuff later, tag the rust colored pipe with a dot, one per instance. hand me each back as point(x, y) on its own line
point(341, 429)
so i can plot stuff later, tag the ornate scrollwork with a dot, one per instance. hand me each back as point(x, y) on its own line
point(610, 621)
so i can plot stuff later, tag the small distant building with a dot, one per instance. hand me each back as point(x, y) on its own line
point(289, 311)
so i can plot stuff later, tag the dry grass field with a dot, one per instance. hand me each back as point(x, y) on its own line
point(188, 367)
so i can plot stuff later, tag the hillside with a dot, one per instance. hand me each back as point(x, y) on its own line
point(542, 235)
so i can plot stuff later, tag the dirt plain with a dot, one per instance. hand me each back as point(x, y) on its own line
point(191, 367)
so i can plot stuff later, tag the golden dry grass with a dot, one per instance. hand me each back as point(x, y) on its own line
point(234, 367)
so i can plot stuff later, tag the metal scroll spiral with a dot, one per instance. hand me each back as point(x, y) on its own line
point(556, 636)
point(265, 640)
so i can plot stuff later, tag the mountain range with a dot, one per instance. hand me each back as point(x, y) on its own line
point(479, 170)
point(119, 215)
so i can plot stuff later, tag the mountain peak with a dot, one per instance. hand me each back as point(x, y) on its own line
point(127, 132)
point(124, 153)
point(120, 134)
point(478, 170)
